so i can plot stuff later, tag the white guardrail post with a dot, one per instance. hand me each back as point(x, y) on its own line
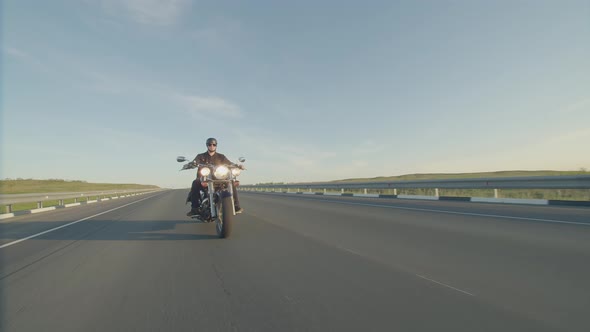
point(41, 199)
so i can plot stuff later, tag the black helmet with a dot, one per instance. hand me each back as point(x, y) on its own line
point(211, 140)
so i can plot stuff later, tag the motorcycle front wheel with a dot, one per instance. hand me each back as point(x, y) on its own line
point(225, 216)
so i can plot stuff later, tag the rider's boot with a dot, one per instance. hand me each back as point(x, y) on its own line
point(192, 212)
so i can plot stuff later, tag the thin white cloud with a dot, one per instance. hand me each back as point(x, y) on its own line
point(69, 66)
point(273, 158)
point(106, 81)
point(220, 33)
point(152, 12)
point(16, 53)
point(199, 106)
point(23, 56)
point(580, 106)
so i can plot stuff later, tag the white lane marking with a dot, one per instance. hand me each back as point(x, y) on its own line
point(352, 252)
point(445, 285)
point(406, 269)
point(72, 223)
point(463, 213)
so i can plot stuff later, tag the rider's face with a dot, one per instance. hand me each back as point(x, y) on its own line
point(211, 147)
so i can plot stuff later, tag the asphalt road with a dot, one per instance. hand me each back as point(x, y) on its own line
point(297, 263)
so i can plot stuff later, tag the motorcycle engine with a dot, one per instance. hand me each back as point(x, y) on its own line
point(204, 209)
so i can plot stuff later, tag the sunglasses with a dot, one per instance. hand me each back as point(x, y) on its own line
point(211, 144)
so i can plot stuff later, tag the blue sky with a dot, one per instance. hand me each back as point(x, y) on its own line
point(114, 90)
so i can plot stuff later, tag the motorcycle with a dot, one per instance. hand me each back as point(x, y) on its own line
point(217, 204)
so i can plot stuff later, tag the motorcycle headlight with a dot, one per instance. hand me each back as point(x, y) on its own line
point(205, 171)
point(221, 172)
point(236, 171)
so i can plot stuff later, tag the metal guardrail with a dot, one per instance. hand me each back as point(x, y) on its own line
point(530, 182)
point(25, 198)
point(9, 199)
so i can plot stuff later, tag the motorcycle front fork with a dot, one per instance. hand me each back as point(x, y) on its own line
point(212, 202)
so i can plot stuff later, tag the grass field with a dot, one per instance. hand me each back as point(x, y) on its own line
point(27, 186)
point(49, 203)
point(440, 176)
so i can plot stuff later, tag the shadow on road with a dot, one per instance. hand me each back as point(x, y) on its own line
point(112, 230)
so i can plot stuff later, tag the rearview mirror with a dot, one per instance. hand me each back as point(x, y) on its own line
point(180, 159)
point(241, 159)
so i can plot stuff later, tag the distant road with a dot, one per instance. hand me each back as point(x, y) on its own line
point(297, 263)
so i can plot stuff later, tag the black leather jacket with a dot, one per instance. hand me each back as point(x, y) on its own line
point(216, 159)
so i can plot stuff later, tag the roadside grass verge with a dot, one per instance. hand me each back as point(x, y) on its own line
point(27, 186)
point(49, 203)
point(549, 194)
point(562, 194)
point(442, 176)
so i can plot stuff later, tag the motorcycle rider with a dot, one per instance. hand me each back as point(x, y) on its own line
point(211, 156)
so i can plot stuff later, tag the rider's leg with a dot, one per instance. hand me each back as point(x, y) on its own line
point(195, 196)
